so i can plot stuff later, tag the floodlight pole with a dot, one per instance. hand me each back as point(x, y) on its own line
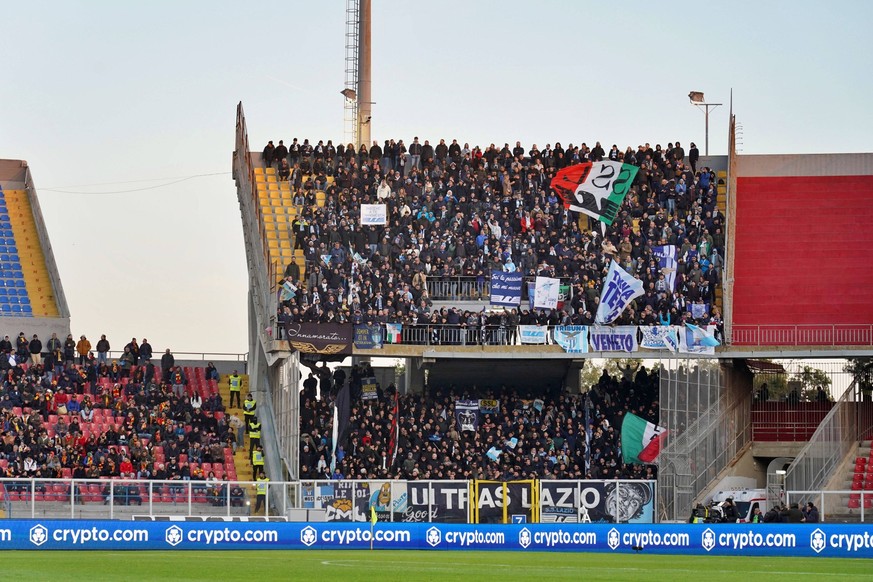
point(705, 107)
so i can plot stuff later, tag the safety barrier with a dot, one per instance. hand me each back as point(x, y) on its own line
point(825, 540)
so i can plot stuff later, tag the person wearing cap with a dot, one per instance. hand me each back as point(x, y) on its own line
point(82, 348)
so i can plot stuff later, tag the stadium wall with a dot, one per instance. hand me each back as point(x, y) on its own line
point(802, 240)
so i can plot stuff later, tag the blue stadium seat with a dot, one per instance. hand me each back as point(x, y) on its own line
point(26, 309)
point(20, 276)
point(16, 309)
point(24, 300)
point(5, 308)
point(19, 283)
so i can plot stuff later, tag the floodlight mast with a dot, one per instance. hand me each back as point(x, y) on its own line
point(358, 75)
point(697, 99)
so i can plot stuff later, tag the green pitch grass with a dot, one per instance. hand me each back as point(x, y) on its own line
point(415, 566)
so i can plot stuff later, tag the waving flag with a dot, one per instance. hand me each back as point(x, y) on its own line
point(395, 429)
point(619, 289)
point(595, 188)
point(640, 440)
point(666, 256)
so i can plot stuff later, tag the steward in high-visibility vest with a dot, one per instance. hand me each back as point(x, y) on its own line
point(258, 460)
point(254, 434)
point(249, 407)
point(262, 491)
point(235, 382)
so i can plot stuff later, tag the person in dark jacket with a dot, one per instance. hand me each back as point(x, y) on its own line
point(145, 351)
point(102, 349)
point(268, 154)
point(167, 363)
point(792, 515)
point(35, 349)
point(810, 513)
point(693, 157)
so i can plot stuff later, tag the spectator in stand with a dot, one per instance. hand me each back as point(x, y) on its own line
point(83, 347)
point(102, 349)
point(35, 348)
point(167, 364)
point(69, 350)
point(145, 352)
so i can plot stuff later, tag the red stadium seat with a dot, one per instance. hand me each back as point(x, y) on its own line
point(854, 503)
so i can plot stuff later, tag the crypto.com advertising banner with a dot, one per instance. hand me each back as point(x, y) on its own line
point(823, 539)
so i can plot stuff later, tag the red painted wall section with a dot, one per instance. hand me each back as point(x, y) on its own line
point(803, 251)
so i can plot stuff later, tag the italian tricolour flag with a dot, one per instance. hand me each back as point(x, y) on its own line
point(392, 333)
point(640, 440)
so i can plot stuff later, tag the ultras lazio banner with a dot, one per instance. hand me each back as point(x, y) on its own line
point(801, 540)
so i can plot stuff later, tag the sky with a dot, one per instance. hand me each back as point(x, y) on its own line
point(125, 113)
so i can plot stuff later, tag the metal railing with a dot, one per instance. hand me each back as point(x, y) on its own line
point(197, 356)
point(846, 423)
point(846, 505)
point(781, 421)
point(717, 429)
point(120, 498)
point(802, 335)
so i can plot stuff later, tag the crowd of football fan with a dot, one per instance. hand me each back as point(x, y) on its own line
point(66, 412)
point(551, 434)
point(455, 212)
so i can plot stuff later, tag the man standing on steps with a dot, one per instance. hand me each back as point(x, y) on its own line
point(167, 363)
point(254, 434)
point(249, 407)
point(235, 386)
point(262, 491)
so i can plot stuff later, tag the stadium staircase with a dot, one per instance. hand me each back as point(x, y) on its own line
point(860, 478)
point(241, 459)
point(26, 288)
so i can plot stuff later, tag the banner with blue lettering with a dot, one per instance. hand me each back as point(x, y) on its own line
point(368, 337)
point(506, 289)
point(573, 338)
point(666, 256)
point(532, 334)
point(826, 540)
point(622, 338)
point(619, 289)
point(660, 337)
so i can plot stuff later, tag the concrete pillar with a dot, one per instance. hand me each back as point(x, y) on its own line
point(415, 381)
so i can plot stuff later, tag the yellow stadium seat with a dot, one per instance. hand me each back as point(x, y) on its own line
point(271, 171)
point(259, 170)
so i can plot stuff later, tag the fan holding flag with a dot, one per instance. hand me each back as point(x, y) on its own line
point(641, 440)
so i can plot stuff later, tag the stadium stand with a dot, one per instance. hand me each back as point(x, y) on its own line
point(112, 422)
point(539, 436)
point(461, 214)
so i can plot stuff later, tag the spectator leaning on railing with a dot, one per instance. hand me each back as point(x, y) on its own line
point(466, 213)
